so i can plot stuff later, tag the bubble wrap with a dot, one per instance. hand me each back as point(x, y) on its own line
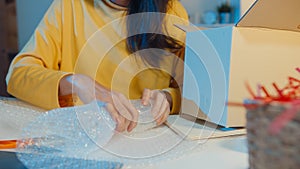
point(78, 129)
point(48, 161)
point(17, 114)
point(85, 135)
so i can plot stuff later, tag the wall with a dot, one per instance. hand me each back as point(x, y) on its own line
point(29, 14)
point(196, 8)
point(199, 6)
point(8, 39)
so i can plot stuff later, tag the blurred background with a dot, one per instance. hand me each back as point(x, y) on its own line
point(18, 19)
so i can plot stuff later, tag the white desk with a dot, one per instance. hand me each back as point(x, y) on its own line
point(225, 153)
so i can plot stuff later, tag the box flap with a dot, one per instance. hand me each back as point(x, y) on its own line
point(274, 14)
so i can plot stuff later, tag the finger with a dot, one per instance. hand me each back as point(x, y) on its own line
point(131, 126)
point(121, 106)
point(128, 111)
point(157, 105)
point(120, 122)
point(165, 111)
point(132, 110)
point(110, 108)
point(146, 96)
point(164, 117)
point(126, 124)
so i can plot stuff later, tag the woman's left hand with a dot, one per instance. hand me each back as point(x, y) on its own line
point(160, 104)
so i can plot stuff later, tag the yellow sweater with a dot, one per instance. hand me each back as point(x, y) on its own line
point(82, 36)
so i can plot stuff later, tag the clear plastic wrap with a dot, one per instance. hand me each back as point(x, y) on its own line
point(84, 136)
point(145, 120)
point(69, 130)
point(16, 114)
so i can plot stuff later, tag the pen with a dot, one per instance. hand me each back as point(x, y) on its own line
point(8, 144)
point(11, 144)
point(176, 131)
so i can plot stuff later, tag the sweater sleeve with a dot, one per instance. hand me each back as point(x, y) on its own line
point(176, 83)
point(34, 74)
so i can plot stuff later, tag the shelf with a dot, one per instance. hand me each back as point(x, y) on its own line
point(214, 25)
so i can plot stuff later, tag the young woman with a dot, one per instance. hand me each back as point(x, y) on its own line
point(46, 71)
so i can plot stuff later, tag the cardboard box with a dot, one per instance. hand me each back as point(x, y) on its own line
point(262, 48)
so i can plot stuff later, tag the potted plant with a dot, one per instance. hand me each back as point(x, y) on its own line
point(224, 11)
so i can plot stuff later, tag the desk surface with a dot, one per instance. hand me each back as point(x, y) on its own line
point(225, 153)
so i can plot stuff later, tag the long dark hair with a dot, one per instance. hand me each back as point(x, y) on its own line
point(149, 19)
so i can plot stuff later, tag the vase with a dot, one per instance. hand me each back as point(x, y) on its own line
point(225, 17)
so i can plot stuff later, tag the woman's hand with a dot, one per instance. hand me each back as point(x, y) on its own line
point(87, 89)
point(160, 105)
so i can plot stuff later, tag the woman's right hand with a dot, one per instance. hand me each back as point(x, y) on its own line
point(87, 89)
